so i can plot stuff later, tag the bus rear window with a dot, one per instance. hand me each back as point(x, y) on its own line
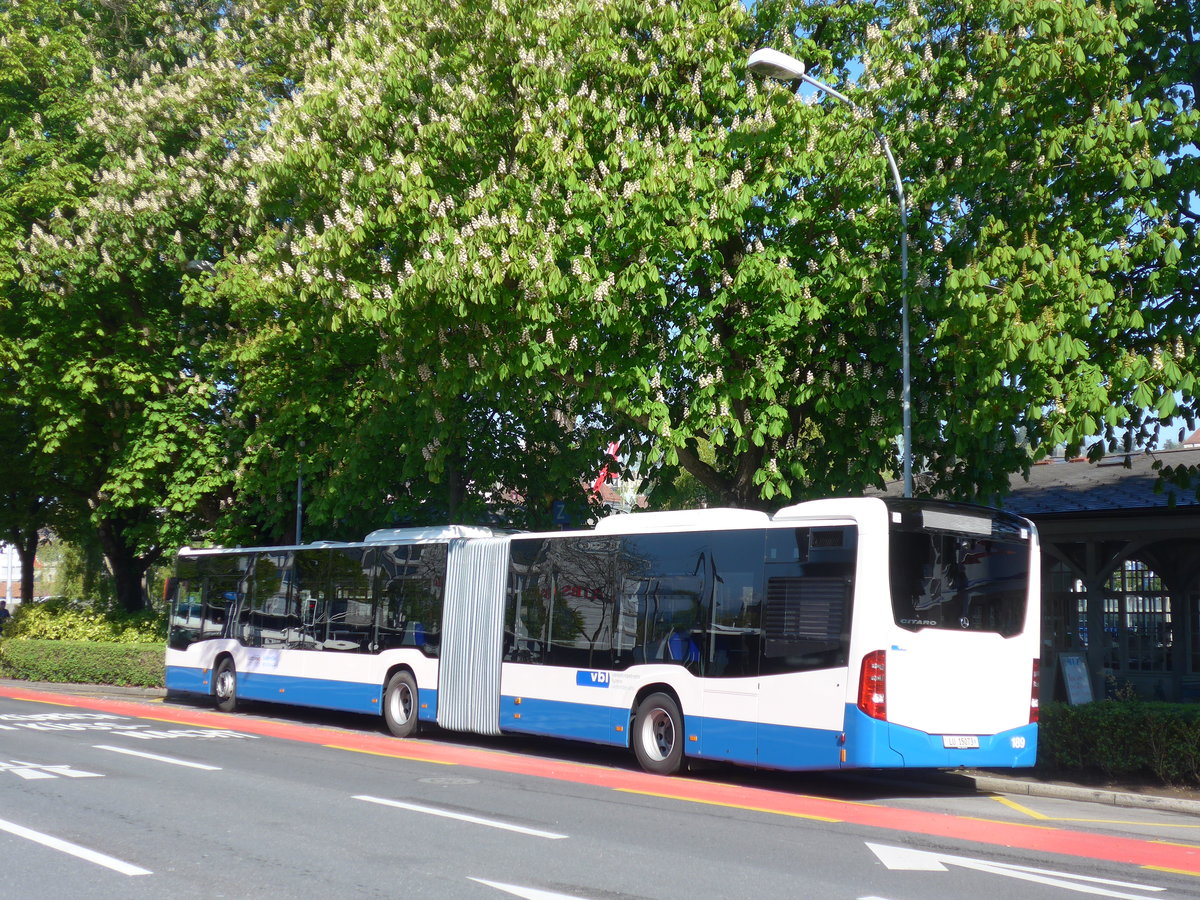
point(958, 582)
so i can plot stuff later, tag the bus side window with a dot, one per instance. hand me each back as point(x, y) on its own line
point(737, 593)
point(410, 614)
point(809, 590)
point(526, 611)
point(580, 617)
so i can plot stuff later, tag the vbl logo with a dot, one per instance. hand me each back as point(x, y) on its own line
point(592, 679)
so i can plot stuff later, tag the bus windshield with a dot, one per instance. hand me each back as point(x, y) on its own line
point(959, 582)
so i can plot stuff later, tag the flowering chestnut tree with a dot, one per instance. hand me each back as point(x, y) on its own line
point(591, 207)
point(122, 167)
point(434, 257)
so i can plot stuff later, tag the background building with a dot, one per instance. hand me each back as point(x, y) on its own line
point(1120, 570)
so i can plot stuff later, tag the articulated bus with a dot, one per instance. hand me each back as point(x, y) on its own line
point(854, 633)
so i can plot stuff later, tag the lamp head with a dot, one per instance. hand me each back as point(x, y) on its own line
point(773, 64)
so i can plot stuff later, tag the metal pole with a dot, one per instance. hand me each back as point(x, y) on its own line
point(906, 396)
point(300, 494)
point(906, 454)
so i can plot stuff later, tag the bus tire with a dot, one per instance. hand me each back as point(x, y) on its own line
point(400, 705)
point(225, 685)
point(658, 735)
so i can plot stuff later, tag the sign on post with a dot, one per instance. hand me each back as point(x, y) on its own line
point(1075, 677)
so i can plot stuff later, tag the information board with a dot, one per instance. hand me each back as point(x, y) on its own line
point(1075, 677)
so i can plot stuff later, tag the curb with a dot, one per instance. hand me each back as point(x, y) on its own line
point(88, 690)
point(962, 781)
point(1126, 799)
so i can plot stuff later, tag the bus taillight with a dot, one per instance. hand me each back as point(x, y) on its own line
point(872, 685)
point(1033, 696)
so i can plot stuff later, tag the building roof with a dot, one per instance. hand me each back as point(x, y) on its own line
point(1120, 483)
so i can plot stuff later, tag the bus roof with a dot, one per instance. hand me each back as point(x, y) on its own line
point(643, 522)
point(430, 533)
point(283, 548)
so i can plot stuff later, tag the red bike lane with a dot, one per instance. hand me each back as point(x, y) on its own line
point(1157, 855)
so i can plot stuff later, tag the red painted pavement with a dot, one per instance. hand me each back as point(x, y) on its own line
point(1041, 838)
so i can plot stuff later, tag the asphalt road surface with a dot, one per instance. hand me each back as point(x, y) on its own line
point(119, 798)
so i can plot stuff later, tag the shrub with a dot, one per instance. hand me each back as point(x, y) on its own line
point(62, 620)
point(1114, 738)
point(82, 662)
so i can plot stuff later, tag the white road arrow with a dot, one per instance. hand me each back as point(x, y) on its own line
point(911, 860)
point(526, 893)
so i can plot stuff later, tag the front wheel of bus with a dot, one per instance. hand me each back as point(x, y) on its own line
point(400, 705)
point(225, 686)
point(658, 735)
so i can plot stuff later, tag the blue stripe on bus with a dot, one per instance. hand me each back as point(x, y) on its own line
point(350, 696)
point(427, 701)
point(782, 747)
point(562, 719)
point(788, 747)
point(187, 679)
point(869, 743)
point(874, 744)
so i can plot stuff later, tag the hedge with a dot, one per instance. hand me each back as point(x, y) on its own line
point(63, 620)
point(82, 662)
point(1122, 739)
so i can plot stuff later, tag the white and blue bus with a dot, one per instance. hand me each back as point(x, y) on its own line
point(834, 634)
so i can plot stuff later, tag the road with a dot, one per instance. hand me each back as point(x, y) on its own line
point(116, 798)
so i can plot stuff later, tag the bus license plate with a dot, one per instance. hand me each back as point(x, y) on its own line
point(960, 742)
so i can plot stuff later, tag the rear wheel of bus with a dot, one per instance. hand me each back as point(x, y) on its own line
point(400, 704)
point(658, 735)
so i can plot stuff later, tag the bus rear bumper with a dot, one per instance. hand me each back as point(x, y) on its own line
point(871, 743)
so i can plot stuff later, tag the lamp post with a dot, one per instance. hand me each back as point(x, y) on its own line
point(300, 494)
point(773, 64)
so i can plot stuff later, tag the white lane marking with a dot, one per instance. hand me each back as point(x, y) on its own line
point(528, 893)
point(462, 817)
point(29, 772)
point(33, 771)
point(923, 861)
point(93, 856)
point(167, 759)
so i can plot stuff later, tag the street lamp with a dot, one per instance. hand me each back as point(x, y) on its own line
point(299, 493)
point(773, 64)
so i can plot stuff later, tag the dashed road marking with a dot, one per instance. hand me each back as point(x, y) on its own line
point(154, 756)
point(462, 817)
point(84, 853)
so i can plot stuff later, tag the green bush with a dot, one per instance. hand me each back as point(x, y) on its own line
point(82, 662)
point(1122, 739)
point(61, 620)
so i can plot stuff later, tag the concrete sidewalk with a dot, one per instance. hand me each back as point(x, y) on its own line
point(1020, 782)
point(1026, 783)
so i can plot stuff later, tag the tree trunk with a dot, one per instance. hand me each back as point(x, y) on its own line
point(128, 569)
point(27, 551)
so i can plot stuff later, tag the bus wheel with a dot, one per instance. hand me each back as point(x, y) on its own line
point(225, 686)
point(658, 735)
point(400, 705)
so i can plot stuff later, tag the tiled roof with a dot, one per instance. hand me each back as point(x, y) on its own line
point(1115, 483)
